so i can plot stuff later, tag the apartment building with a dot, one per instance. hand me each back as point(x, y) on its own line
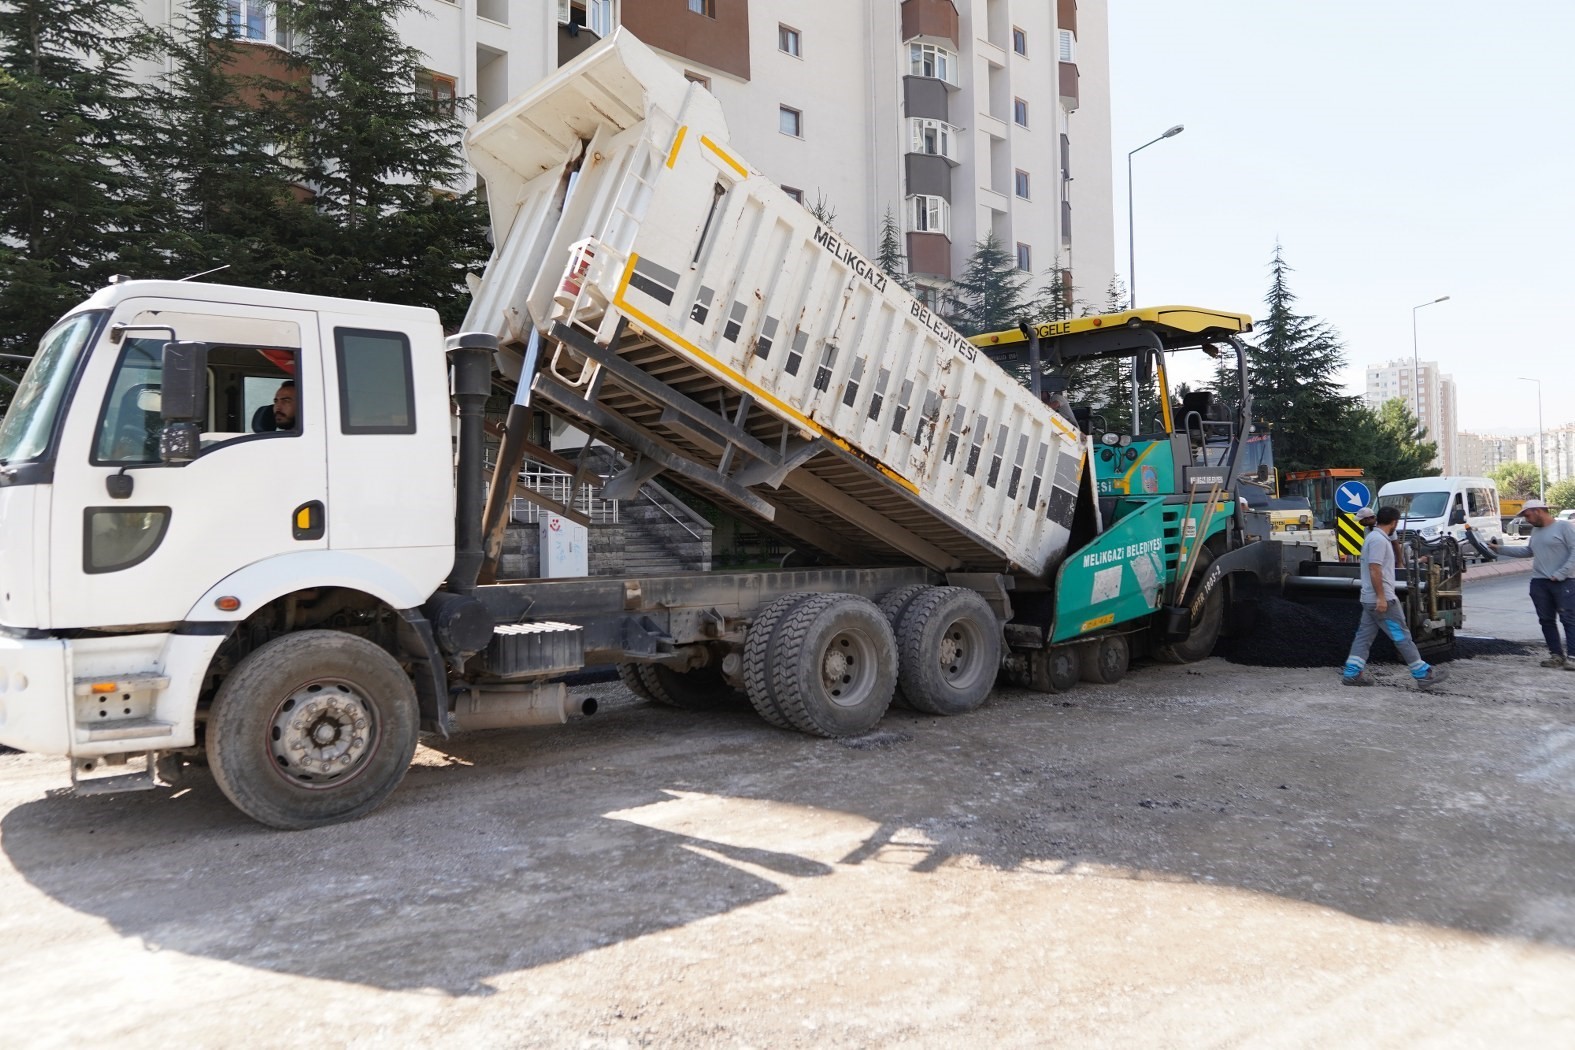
point(1429, 394)
point(962, 118)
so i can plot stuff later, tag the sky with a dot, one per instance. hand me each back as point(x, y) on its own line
point(1397, 150)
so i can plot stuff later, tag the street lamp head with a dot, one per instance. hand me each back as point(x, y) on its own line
point(1442, 298)
point(1178, 129)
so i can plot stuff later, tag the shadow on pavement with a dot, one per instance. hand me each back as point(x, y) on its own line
point(509, 850)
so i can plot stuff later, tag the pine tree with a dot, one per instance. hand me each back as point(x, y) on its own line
point(823, 210)
point(1291, 368)
point(989, 296)
point(892, 257)
point(230, 191)
point(378, 156)
point(69, 215)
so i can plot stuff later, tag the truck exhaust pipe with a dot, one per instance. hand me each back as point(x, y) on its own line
point(471, 353)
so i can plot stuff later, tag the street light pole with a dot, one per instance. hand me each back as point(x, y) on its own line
point(1542, 477)
point(1416, 362)
point(1131, 239)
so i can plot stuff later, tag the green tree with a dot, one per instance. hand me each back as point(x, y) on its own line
point(69, 120)
point(823, 210)
point(991, 293)
point(231, 193)
point(1562, 494)
point(1387, 443)
point(1291, 368)
point(1516, 480)
point(378, 154)
point(892, 257)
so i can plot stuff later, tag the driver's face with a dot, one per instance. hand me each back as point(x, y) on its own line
point(284, 408)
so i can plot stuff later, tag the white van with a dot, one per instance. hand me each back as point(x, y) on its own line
point(1433, 506)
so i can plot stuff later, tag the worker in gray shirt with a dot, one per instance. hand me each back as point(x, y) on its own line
point(1552, 554)
point(1381, 610)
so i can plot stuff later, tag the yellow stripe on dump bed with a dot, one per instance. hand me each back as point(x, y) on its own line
point(756, 391)
point(743, 172)
point(678, 141)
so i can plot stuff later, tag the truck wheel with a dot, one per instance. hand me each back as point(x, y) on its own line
point(1064, 668)
point(834, 665)
point(629, 675)
point(313, 728)
point(760, 644)
point(1206, 623)
point(891, 605)
point(694, 690)
point(1105, 662)
point(948, 650)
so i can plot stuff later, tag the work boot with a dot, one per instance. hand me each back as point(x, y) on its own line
point(1434, 676)
point(1555, 661)
point(1356, 679)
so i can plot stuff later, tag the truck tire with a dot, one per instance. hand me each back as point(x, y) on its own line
point(1064, 668)
point(696, 690)
point(834, 665)
point(760, 643)
point(891, 605)
point(313, 728)
point(948, 650)
point(1105, 662)
point(629, 675)
point(1206, 624)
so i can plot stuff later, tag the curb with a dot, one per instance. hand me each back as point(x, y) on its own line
point(1502, 567)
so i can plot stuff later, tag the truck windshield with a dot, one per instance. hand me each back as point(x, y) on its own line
point(25, 431)
point(1417, 504)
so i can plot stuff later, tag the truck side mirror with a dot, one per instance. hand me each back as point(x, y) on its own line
point(183, 400)
point(1145, 366)
point(1457, 516)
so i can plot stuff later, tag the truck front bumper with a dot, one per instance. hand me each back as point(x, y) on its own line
point(35, 695)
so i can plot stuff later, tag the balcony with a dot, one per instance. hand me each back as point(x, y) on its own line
point(1066, 14)
point(936, 19)
point(1069, 98)
point(930, 255)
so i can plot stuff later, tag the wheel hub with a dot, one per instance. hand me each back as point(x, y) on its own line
point(836, 666)
point(321, 732)
point(951, 649)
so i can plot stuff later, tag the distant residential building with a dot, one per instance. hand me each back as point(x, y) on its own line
point(963, 118)
point(1480, 453)
point(1431, 398)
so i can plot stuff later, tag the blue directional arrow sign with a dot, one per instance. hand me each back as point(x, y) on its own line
point(1352, 496)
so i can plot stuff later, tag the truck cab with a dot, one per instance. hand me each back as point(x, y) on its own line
point(127, 558)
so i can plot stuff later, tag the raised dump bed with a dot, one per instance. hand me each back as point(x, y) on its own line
point(707, 325)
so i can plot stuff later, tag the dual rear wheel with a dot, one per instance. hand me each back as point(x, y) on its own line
point(831, 664)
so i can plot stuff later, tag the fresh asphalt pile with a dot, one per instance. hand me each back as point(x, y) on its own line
point(1318, 633)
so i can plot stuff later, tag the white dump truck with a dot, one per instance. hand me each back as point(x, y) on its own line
point(236, 526)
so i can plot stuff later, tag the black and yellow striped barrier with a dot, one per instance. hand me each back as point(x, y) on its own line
point(1348, 534)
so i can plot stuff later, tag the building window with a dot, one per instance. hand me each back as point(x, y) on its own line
point(703, 7)
point(935, 137)
point(794, 192)
point(1025, 256)
point(256, 20)
point(927, 60)
point(1020, 112)
point(790, 121)
point(1019, 41)
point(929, 296)
point(931, 215)
point(1022, 184)
point(788, 41)
point(1068, 46)
point(696, 78)
point(439, 89)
